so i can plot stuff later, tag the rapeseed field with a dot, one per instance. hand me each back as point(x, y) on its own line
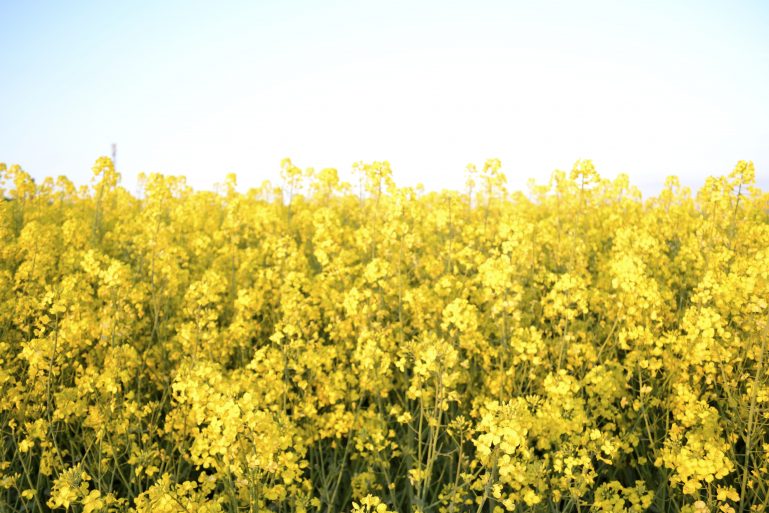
point(332, 347)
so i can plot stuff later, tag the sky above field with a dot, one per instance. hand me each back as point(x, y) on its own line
point(208, 88)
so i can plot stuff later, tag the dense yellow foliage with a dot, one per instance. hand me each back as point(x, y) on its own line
point(369, 348)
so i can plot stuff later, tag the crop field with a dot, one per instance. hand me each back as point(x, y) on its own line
point(330, 347)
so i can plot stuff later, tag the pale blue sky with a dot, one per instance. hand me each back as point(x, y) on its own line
point(203, 89)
